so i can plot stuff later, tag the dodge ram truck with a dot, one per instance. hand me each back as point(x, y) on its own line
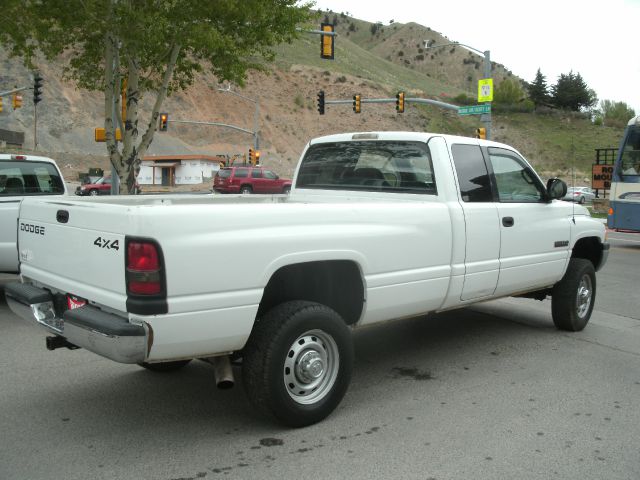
point(378, 226)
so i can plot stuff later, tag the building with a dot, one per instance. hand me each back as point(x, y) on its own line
point(172, 170)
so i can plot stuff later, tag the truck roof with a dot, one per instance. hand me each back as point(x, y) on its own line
point(406, 136)
point(28, 158)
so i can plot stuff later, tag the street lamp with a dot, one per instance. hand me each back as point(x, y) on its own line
point(256, 116)
point(486, 118)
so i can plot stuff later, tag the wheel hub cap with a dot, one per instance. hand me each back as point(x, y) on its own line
point(583, 299)
point(311, 367)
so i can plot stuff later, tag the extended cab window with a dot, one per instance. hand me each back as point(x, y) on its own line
point(29, 178)
point(516, 182)
point(388, 166)
point(473, 177)
point(256, 173)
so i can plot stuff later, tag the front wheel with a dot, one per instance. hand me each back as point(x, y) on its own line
point(573, 297)
point(93, 193)
point(286, 190)
point(582, 200)
point(297, 363)
point(246, 190)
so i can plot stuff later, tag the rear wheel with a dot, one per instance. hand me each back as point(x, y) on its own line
point(582, 200)
point(573, 297)
point(246, 190)
point(297, 363)
point(164, 366)
point(93, 193)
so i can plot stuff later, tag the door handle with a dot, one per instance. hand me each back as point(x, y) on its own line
point(507, 221)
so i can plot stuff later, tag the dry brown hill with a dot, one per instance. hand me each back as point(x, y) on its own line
point(366, 62)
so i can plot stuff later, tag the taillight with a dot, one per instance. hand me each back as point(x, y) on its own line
point(144, 268)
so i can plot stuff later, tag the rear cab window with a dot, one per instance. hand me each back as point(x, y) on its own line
point(224, 173)
point(387, 166)
point(29, 178)
point(241, 173)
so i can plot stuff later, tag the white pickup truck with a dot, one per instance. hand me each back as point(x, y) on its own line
point(22, 176)
point(378, 226)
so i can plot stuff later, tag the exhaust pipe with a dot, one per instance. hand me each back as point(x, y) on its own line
point(222, 371)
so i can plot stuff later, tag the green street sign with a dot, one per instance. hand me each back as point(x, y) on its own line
point(474, 110)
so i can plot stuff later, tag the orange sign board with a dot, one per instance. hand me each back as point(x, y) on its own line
point(601, 176)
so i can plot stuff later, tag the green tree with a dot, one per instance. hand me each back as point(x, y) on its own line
point(157, 46)
point(615, 114)
point(572, 92)
point(538, 89)
point(508, 92)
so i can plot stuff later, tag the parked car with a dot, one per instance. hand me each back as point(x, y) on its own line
point(249, 180)
point(579, 195)
point(102, 186)
point(22, 176)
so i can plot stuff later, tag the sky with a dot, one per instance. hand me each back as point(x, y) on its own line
point(598, 39)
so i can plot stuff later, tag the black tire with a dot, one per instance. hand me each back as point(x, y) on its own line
point(164, 366)
point(573, 297)
point(288, 336)
point(93, 193)
point(245, 189)
point(286, 190)
point(582, 200)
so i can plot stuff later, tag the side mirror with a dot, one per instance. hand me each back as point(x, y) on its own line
point(556, 188)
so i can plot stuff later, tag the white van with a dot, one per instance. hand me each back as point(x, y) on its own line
point(21, 176)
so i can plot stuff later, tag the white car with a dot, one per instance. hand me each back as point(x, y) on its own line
point(22, 176)
point(580, 195)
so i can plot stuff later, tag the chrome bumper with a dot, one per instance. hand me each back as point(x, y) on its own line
point(88, 327)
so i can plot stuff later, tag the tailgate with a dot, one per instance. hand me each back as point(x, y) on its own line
point(76, 248)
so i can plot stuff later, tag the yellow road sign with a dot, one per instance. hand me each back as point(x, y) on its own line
point(485, 90)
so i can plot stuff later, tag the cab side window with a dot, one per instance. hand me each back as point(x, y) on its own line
point(515, 181)
point(473, 177)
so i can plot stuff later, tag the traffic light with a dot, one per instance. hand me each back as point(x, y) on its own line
point(400, 102)
point(37, 88)
point(356, 103)
point(257, 157)
point(481, 133)
point(326, 41)
point(164, 119)
point(16, 101)
point(0, 104)
point(252, 156)
point(321, 102)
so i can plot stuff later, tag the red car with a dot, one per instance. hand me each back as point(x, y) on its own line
point(249, 180)
point(102, 186)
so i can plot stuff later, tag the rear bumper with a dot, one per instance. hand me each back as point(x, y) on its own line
point(88, 327)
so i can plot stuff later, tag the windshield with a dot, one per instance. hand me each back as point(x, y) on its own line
point(390, 166)
point(29, 178)
point(630, 155)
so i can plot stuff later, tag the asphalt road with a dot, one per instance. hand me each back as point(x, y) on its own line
point(488, 392)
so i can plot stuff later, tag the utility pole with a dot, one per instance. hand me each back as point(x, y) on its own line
point(486, 117)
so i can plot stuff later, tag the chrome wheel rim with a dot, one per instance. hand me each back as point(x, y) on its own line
point(584, 296)
point(311, 367)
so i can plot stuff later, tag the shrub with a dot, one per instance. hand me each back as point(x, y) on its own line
point(464, 99)
point(341, 79)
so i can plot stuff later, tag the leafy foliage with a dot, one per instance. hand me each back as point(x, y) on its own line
point(571, 92)
point(156, 45)
point(614, 114)
point(508, 91)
